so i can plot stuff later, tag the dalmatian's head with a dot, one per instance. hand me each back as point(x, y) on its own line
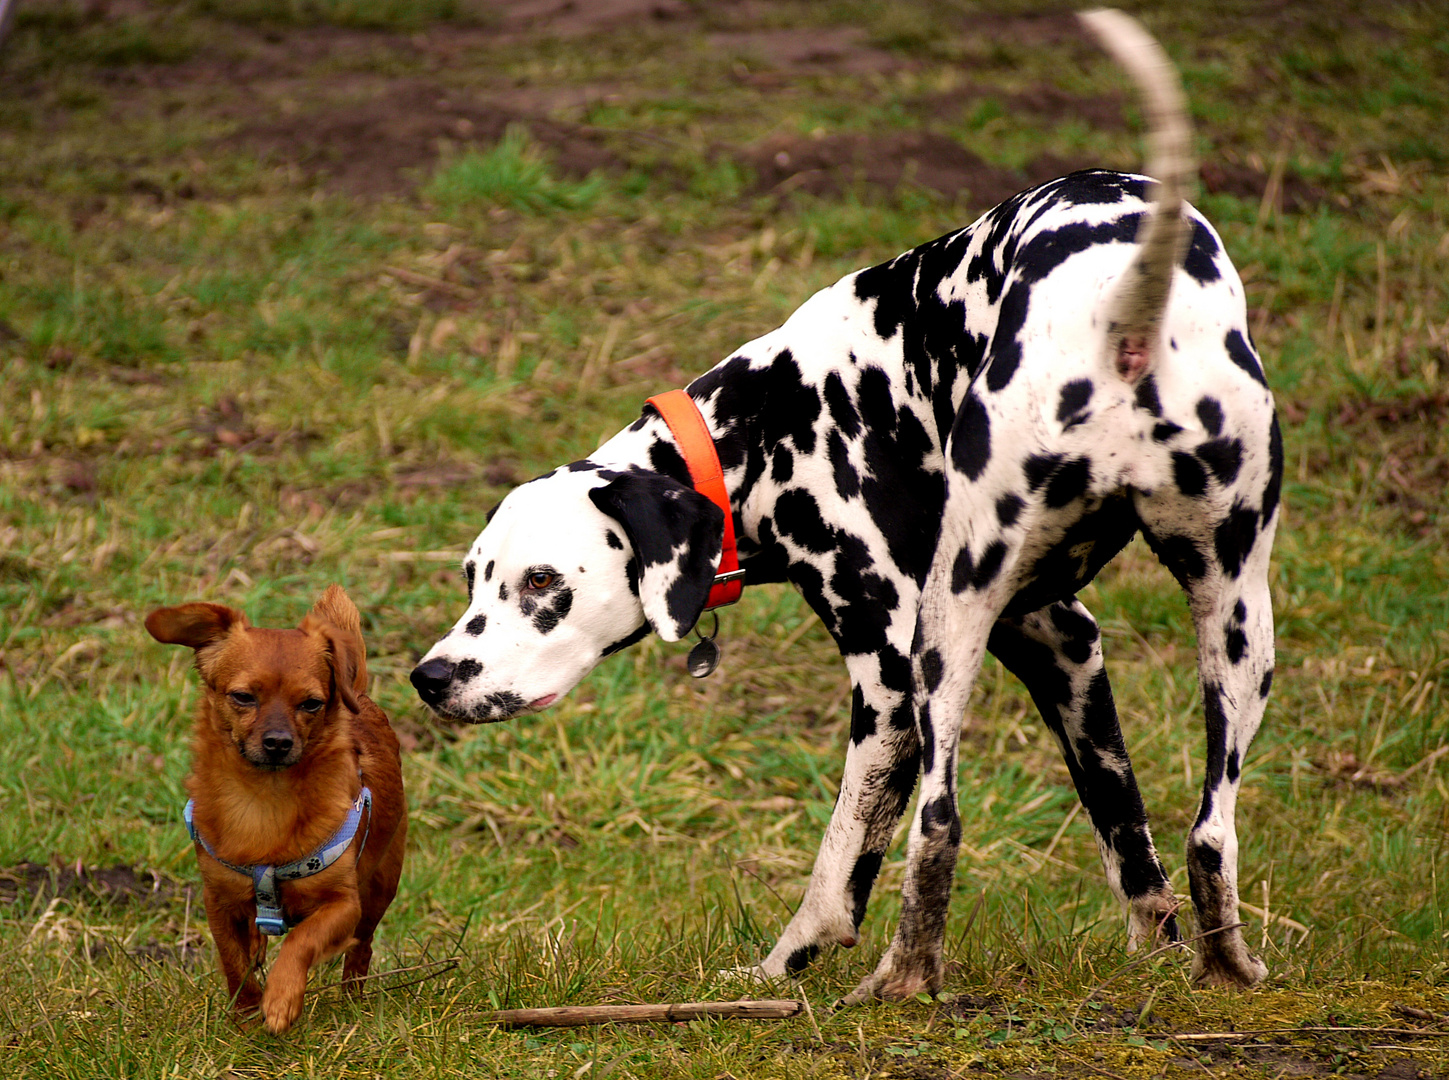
point(571, 567)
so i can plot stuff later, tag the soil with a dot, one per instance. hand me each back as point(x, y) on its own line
point(28, 884)
point(834, 163)
point(385, 144)
point(1408, 436)
point(319, 102)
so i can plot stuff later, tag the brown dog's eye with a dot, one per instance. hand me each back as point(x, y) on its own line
point(541, 579)
point(241, 699)
point(311, 705)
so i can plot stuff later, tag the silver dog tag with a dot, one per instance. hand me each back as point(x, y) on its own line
point(704, 657)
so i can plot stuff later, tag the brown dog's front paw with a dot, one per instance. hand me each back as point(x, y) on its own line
point(281, 1007)
point(247, 1002)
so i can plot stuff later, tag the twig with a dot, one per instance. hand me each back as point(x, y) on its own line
point(1429, 759)
point(1397, 1049)
point(810, 1013)
point(783, 902)
point(421, 556)
point(579, 1015)
point(433, 968)
point(1420, 1014)
point(1071, 817)
point(1221, 1036)
point(1282, 920)
point(412, 277)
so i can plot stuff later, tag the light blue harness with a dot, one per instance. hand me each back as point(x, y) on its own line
point(271, 919)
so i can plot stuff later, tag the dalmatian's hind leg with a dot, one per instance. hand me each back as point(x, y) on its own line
point(1227, 584)
point(1057, 654)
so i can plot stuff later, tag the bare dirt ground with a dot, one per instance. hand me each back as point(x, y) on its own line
point(318, 99)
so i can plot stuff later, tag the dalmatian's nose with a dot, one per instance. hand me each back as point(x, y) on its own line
point(432, 679)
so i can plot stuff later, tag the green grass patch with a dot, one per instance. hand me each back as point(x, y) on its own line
point(512, 174)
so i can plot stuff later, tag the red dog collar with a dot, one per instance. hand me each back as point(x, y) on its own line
point(684, 419)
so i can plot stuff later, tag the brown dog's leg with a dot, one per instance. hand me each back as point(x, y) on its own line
point(323, 934)
point(239, 953)
point(379, 893)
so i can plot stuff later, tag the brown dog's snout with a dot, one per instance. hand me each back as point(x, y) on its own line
point(277, 745)
point(275, 742)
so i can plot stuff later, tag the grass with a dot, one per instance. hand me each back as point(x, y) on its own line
point(228, 376)
point(512, 175)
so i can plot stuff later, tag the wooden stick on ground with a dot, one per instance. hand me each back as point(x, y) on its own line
point(579, 1015)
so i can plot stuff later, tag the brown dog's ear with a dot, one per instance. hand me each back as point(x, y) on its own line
point(335, 617)
point(194, 625)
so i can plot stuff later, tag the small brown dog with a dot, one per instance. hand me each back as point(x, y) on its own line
point(297, 803)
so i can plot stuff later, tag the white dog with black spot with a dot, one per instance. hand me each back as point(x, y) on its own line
point(939, 452)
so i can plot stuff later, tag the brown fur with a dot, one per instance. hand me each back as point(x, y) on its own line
point(271, 782)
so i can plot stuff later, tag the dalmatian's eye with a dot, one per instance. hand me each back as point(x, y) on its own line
point(541, 579)
point(311, 705)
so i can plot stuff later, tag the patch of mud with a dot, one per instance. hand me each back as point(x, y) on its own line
point(833, 164)
point(1042, 102)
point(1410, 1069)
point(787, 53)
point(188, 955)
point(28, 883)
point(571, 102)
point(1249, 181)
point(406, 482)
point(380, 145)
point(1030, 30)
point(1429, 409)
point(497, 472)
point(223, 425)
point(574, 18)
point(1413, 468)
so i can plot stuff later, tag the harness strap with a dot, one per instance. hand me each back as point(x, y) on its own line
point(271, 917)
point(695, 444)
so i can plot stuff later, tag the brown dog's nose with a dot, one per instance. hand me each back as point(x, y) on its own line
point(277, 745)
point(432, 679)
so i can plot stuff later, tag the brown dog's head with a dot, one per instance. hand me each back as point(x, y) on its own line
point(271, 691)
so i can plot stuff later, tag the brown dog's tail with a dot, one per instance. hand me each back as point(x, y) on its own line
point(1136, 309)
point(336, 609)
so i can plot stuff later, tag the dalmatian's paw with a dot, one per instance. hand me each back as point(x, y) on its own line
point(1233, 968)
point(1152, 921)
point(752, 975)
point(899, 977)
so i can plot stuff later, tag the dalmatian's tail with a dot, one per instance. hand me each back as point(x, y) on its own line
point(1136, 309)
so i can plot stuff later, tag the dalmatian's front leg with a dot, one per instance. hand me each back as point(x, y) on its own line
point(1057, 654)
point(955, 619)
point(881, 767)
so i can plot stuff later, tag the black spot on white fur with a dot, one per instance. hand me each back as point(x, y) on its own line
point(554, 609)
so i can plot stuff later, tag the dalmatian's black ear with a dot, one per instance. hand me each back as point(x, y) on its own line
point(676, 533)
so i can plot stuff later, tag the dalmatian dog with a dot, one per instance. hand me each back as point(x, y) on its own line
point(939, 452)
